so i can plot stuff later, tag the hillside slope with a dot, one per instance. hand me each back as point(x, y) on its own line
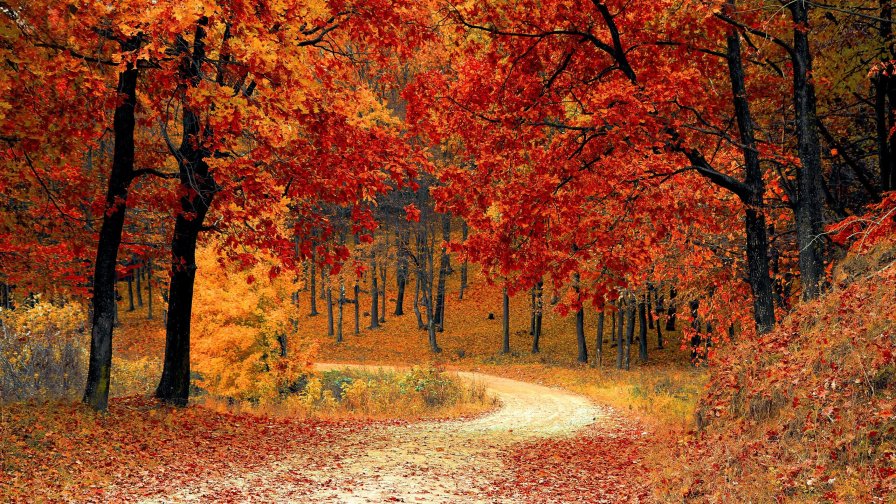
point(806, 412)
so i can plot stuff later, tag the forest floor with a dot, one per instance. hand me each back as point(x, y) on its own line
point(540, 445)
point(526, 450)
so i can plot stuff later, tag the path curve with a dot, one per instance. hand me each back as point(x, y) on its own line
point(430, 461)
point(527, 410)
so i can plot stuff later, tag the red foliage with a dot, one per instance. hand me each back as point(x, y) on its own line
point(139, 449)
point(603, 464)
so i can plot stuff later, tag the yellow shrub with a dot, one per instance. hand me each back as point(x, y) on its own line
point(42, 350)
point(240, 319)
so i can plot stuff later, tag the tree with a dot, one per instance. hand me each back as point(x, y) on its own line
point(104, 306)
point(505, 322)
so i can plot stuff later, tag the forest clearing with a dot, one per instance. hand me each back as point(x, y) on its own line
point(441, 251)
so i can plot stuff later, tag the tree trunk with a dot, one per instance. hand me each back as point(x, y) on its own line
point(580, 322)
point(198, 188)
point(329, 293)
point(357, 303)
point(629, 333)
point(374, 294)
point(539, 314)
point(695, 325)
point(882, 116)
point(131, 292)
point(383, 292)
point(117, 321)
point(419, 315)
point(444, 269)
point(884, 91)
point(809, 219)
point(649, 311)
point(613, 330)
point(313, 277)
point(323, 292)
point(620, 335)
point(599, 340)
point(754, 200)
point(139, 286)
point(401, 274)
point(670, 323)
point(505, 325)
point(96, 392)
point(642, 332)
point(464, 229)
point(424, 280)
point(532, 311)
point(282, 343)
point(341, 309)
point(149, 289)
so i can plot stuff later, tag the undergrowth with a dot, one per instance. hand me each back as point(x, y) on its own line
point(418, 393)
point(805, 413)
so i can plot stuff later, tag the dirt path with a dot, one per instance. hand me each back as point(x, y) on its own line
point(445, 461)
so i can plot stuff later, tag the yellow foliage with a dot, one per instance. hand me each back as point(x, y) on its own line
point(42, 350)
point(240, 318)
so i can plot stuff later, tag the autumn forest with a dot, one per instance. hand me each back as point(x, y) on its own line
point(447, 251)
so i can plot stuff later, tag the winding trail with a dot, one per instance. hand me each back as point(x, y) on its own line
point(434, 461)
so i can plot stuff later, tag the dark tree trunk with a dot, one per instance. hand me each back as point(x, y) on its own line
point(695, 325)
point(882, 116)
point(131, 292)
point(649, 312)
point(357, 303)
point(659, 335)
point(417, 313)
point(809, 219)
point(670, 323)
point(281, 342)
point(117, 321)
point(401, 274)
point(444, 270)
point(103, 303)
point(629, 334)
point(505, 324)
point(383, 293)
point(149, 289)
point(323, 293)
point(198, 188)
point(329, 293)
point(313, 277)
point(139, 287)
point(754, 199)
point(620, 335)
point(642, 332)
point(539, 314)
point(464, 230)
point(884, 92)
point(580, 324)
point(613, 331)
point(399, 293)
point(341, 309)
point(425, 268)
point(599, 340)
point(580, 336)
point(532, 311)
point(430, 316)
point(374, 294)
